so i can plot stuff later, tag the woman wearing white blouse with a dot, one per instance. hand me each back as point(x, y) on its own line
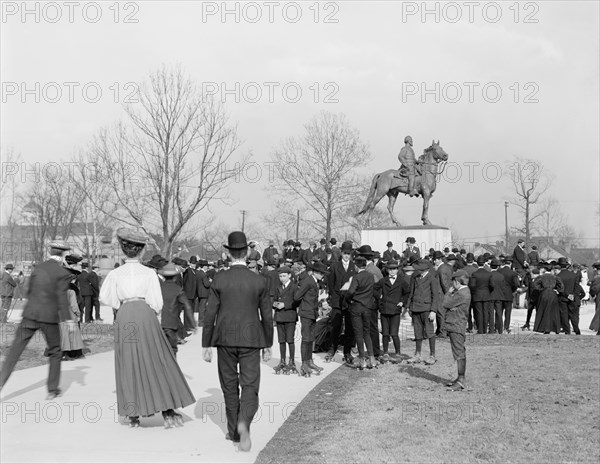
point(148, 378)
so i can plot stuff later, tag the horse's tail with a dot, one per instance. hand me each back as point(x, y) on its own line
point(371, 195)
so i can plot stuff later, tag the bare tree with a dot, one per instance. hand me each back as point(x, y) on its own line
point(551, 218)
point(51, 207)
point(530, 182)
point(170, 160)
point(315, 169)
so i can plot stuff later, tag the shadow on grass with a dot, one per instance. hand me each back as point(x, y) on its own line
point(422, 374)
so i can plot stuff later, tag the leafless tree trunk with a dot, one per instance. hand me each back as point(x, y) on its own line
point(530, 182)
point(315, 169)
point(51, 207)
point(170, 160)
point(551, 218)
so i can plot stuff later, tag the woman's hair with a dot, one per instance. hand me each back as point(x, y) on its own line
point(239, 253)
point(131, 249)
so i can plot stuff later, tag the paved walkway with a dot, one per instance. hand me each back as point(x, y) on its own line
point(82, 425)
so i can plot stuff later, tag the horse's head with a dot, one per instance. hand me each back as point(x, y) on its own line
point(438, 152)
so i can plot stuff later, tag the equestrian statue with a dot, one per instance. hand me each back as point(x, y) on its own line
point(415, 177)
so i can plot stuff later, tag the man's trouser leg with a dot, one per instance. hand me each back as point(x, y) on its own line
point(24, 333)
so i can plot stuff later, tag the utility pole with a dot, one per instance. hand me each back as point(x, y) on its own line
point(297, 225)
point(243, 219)
point(506, 225)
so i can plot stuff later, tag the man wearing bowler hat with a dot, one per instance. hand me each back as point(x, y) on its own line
point(340, 273)
point(47, 305)
point(512, 284)
point(390, 254)
point(202, 287)
point(412, 252)
point(569, 312)
point(479, 284)
point(239, 322)
point(7, 287)
point(336, 253)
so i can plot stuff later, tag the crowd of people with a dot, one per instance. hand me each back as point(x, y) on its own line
point(347, 296)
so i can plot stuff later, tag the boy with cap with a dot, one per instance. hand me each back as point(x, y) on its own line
point(456, 302)
point(174, 301)
point(423, 301)
point(391, 294)
point(285, 317)
point(307, 295)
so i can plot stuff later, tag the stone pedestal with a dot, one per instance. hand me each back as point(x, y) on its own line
point(426, 237)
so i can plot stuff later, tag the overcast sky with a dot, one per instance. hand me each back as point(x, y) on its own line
point(373, 61)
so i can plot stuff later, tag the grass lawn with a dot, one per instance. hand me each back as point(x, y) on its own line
point(532, 398)
point(97, 338)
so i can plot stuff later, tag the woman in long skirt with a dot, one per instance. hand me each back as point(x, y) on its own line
point(71, 342)
point(547, 314)
point(148, 378)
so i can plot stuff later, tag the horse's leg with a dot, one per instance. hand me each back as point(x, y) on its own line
point(424, 216)
point(393, 196)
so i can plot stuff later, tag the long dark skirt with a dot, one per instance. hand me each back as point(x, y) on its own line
point(148, 377)
point(595, 324)
point(547, 313)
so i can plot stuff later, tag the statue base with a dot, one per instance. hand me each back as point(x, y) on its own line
point(426, 237)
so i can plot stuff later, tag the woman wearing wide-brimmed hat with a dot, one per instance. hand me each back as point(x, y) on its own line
point(148, 378)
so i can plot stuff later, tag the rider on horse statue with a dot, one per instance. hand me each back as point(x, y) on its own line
point(407, 158)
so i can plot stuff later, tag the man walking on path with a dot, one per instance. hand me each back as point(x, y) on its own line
point(47, 305)
point(239, 322)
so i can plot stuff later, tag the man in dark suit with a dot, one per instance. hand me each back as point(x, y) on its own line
point(7, 289)
point(520, 258)
point(336, 253)
point(512, 284)
point(569, 312)
point(47, 305)
point(390, 254)
point(189, 287)
point(340, 273)
point(497, 290)
point(87, 293)
point(533, 256)
point(470, 267)
point(94, 279)
point(479, 284)
point(271, 253)
point(202, 286)
point(239, 322)
point(444, 274)
point(412, 252)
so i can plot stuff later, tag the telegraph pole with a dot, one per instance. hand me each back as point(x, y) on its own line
point(243, 219)
point(506, 225)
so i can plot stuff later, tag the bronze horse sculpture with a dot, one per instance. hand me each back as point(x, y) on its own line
point(390, 184)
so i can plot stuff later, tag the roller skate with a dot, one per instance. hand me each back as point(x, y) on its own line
point(305, 370)
point(291, 367)
point(172, 419)
point(316, 369)
point(134, 422)
point(371, 363)
point(395, 358)
point(385, 359)
point(329, 357)
point(348, 359)
point(281, 368)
